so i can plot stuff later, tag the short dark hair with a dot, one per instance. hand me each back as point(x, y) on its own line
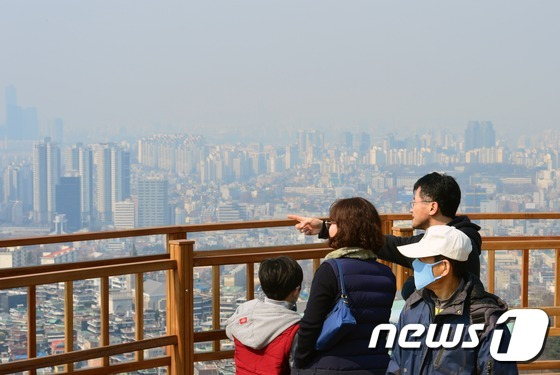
point(279, 277)
point(440, 188)
point(458, 268)
point(358, 224)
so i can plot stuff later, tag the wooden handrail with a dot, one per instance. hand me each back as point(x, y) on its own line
point(180, 262)
point(78, 274)
point(387, 219)
point(82, 355)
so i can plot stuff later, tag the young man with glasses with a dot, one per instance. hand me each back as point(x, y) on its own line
point(436, 200)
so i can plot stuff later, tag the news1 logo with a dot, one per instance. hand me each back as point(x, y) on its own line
point(526, 342)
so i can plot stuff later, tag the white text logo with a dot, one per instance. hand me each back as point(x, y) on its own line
point(526, 342)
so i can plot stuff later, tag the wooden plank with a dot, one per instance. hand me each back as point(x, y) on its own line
point(211, 227)
point(104, 312)
point(139, 312)
point(525, 278)
point(69, 321)
point(82, 274)
point(83, 355)
point(514, 215)
point(518, 238)
point(250, 292)
point(182, 293)
point(520, 245)
point(539, 365)
point(32, 324)
point(557, 285)
point(258, 257)
point(188, 293)
point(216, 303)
point(549, 310)
point(175, 326)
point(213, 356)
point(91, 236)
point(260, 249)
point(9, 272)
point(316, 264)
point(125, 367)
point(491, 271)
point(205, 336)
point(174, 237)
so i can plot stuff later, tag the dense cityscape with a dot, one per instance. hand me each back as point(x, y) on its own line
point(51, 187)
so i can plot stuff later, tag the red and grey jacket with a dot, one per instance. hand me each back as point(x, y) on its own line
point(263, 332)
point(270, 360)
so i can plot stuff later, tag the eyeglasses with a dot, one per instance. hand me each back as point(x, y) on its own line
point(413, 202)
point(328, 223)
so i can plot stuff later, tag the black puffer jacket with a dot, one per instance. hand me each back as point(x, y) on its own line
point(389, 251)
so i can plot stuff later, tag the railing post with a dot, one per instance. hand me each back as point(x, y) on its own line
point(491, 270)
point(104, 313)
point(174, 237)
point(139, 312)
point(32, 324)
point(216, 304)
point(557, 285)
point(525, 278)
point(401, 273)
point(316, 264)
point(69, 321)
point(250, 284)
point(180, 301)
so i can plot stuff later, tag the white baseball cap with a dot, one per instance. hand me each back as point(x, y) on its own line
point(440, 240)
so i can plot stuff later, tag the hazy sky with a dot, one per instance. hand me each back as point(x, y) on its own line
point(193, 65)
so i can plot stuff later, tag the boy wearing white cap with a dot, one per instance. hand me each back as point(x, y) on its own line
point(448, 296)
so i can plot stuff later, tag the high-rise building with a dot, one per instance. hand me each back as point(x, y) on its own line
point(292, 156)
point(21, 123)
point(113, 179)
point(479, 134)
point(231, 212)
point(57, 130)
point(68, 202)
point(125, 214)
point(46, 173)
point(79, 161)
point(153, 206)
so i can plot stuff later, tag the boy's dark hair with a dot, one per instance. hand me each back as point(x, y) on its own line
point(440, 188)
point(358, 224)
point(458, 268)
point(279, 277)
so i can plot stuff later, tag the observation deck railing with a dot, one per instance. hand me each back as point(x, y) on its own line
point(179, 261)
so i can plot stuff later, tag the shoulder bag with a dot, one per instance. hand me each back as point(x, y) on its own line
point(340, 320)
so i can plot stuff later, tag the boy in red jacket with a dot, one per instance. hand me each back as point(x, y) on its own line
point(263, 331)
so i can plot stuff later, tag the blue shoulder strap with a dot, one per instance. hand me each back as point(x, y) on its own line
point(338, 272)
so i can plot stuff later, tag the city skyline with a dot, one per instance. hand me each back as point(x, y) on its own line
point(112, 68)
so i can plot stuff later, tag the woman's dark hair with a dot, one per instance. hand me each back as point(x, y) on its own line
point(358, 224)
point(279, 277)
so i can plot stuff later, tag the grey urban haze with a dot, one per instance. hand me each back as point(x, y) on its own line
point(114, 67)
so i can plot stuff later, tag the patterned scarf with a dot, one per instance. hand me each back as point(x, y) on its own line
point(351, 252)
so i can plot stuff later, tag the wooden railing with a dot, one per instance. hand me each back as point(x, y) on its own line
point(180, 262)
